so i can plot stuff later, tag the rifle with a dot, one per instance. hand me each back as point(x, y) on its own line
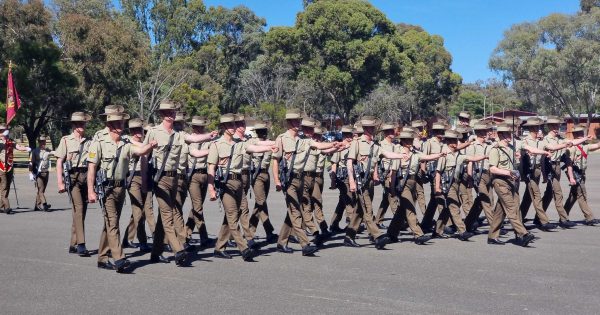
point(67, 166)
point(400, 184)
point(221, 178)
point(100, 187)
point(286, 171)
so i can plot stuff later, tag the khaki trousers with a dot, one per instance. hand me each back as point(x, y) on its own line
point(293, 219)
point(483, 202)
point(79, 194)
point(341, 206)
point(182, 190)
point(508, 199)
point(245, 214)
point(465, 196)
point(141, 212)
point(419, 194)
point(553, 190)
point(110, 237)
point(579, 193)
point(261, 209)
point(533, 194)
point(388, 200)
point(451, 210)
point(232, 200)
point(307, 210)
point(362, 210)
point(41, 182)
point(197, 189)
point(5, 181)
point(406, 211)
point(166, 194)
point(432, 207)
point(316, 200)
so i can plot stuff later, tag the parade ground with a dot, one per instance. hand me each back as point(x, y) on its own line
point(557, 274)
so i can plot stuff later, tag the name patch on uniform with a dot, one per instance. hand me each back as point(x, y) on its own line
point(92, 155)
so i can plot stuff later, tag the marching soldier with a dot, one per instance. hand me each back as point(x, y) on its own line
point(109, 155)
point(240, 135)
point(555, 143)
point(316, 198)
point(182, 182)
point(420, 138)
point(260, 182)
point(404, 181)
point(225, 161)
point(140, 195)
point(72, 154)
point(363, 156)
point(578, 155)
point(290, 159)
point(505, 178)
point(7, 147)
point(432, 146)
point(198, 184)
point(388, 199)
point(39, 163)
point(465, 182)
point(339, 175)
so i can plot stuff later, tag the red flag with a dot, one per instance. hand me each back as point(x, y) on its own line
point(12, 98)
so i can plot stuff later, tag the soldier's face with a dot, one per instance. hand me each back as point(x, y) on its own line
point(116, 126)
point(553, 127)
point(389, 133)
point(137, 133)
point(369, 130)
point(229, 128)
point(463, 121)
point(198, 129)
point(452, 143)
point(505, 136)
point(308, 131)
point(481, 133)
point(42, 143)
point(294, 124)
point(347, 136)
point(79, 126)
point(406, 142)
point(533, 131)
point(240, 127)
point(168, 115)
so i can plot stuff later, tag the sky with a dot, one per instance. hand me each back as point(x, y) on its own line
point(471, 28)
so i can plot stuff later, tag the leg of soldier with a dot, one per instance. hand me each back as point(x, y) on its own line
point(406, 211)
point(536, 196)
point(571, 199)
point(430, 211)
point(508, 197)
point(583, 201)
point(149, 211)
point(484, 203)
point(197, 190)
point(135, 197)
point(293, 220)
point(307, 211)
point(166, 197)
point(232, 197)
point(338, 213)
point(454, 207)
point(526, 201)
point(2, 185)
point(383, 205)
point(261, 209)
point(42, 182)
point(113, 204)
point(364, 213)
point(245, 216)
point(465, 196)
point(420, 194)
point(79, 193)
point(178, 223)
point(558, 196)
point(316, 200)
point(5, 181)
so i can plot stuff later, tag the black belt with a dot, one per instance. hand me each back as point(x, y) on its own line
point(311, 173)
point(137, 173)
point(245, 172)
point(78, 170)
point(555, 162)
point(169, 173)
point(115, 183)
point(485, 171)
point(319, 174)
point(181, 176)
point(234, 176)
point(263, 172)
point(200, 170)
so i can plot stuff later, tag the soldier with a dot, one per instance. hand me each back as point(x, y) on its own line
point(240, 135)
point(578, 156)
point(7, 146)
point(339, 175)
point(225, 161)
point(260, 182)
point(465, 183)
point(139, 194)
point(464, 119)
point(363, 156)
point(39, 163)
point(290, 159)
point(532, 171)
point(198, 179)
point(109, 155)
point(316, 198)
point(555, 143)
point(388, 199)
point(504, 179)
point(72, 154)
point(432, 146)
point(166, 158)
point(182, 182)
point(404, 181)
point(420, 138)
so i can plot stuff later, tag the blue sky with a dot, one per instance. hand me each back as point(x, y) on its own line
point(471, 28)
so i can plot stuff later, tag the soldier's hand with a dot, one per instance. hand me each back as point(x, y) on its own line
point(438, 192)
point(214, 133)
point(274, 149)
point(278, 185)
point(92, 197)
point(153, 143)
point(572, 182)
point(212, 193)
point(61, 188)
point(31, 177)
point(352, 187)
point(569, 144)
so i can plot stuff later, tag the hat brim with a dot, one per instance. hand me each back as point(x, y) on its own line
point(123, 117)
point(85, 119)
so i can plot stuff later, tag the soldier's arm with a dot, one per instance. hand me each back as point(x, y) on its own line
point(431, 157)
point(475, 158)
point(324, 145)
point(535, 151)
point(463, 145)
point(199, 153)
point(211, 181)
point(351, 179)
point(394, 155)
point(265, 142)
point(91, 178)
point(594, 147)
point(253, 148)
point(581, 140)
point(144, 149)
point(196, 137)
point(438, 182)
point(22, 148)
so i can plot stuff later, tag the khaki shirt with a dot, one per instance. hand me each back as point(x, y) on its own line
point(577, 157)
point(432, 146)
point(68, 150)
point(132, 161)
point(477, 148)
point(200, 162)
point(40, 160)
point(220, 153)
point(535, 143)
point(161, 135)
point(263, 158)
point(321, 162)
point(502, 157)
point(339, 158)
point(359, 151)
point(247, 156)
point(287, 144)
point(412, 164)
point(103, 151)
point(451, 163)
point(549, 140)
point(387, 146)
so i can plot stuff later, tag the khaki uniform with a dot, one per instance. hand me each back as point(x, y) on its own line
point(316, 197)
point(165, 189)
point(507, 192)
point(553, 190)
point(307, 178)
point(72, 149)
point(406, 210)
point(484, 200)
point(197, 188)
point(245, 214)
point(361, 204)
point(419, 192)
point(261, 186)
point(465, 184)
point(578, 193)
point(388, 199)
point(182, 191)
point(450, 166)
point(103, 153)
point(532, 188)
point(141, 201)
point(7, 147)
point(294, 195)
point(431, 146)
point(40, 163)
point(219, 155)
point(340, 158)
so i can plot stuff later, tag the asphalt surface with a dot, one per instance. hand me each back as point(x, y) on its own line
point(557, 274)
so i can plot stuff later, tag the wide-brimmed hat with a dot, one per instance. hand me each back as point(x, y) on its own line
point(533, 122)
point(320, 130)
point(346, 129)
point(180, 117)
point(227, 118)
point(418, 123)
point(405, 134)
point(260, 125)
point(504, 128)
point(369, 121)
point(438, 126)
point(168, 105)
point(387, 126)
point(293, 113)
point(463, 129)
point(409, 129)
point(148, 126)
point(79, 117)
point(135, 123)
point(112, 109)
point(199, 121)
point(464, 115)
point(240, 117)
point(579, 128)
point(482, 126)
point(452, 134)
point(308, 122)
point(358, 129)
point(43, 138)
point(554, 120)
point(116, 117)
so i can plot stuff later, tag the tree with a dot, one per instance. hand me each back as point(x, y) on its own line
point(390, 103)
point(46, 87)
point(587, 5)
